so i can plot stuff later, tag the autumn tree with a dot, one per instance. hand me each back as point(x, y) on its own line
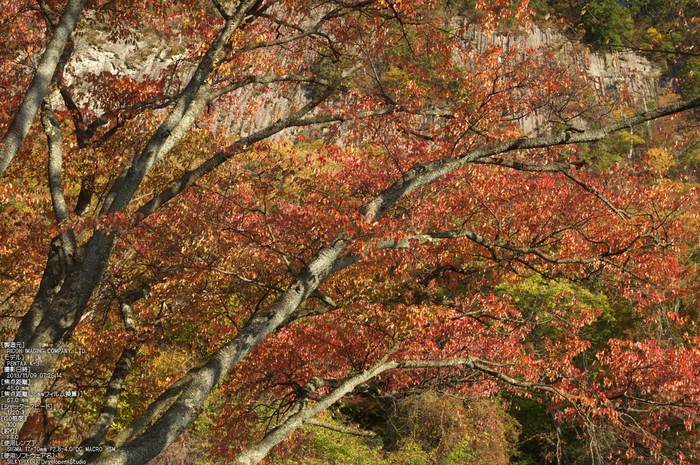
point(377, 230)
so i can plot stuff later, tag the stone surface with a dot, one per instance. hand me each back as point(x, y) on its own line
point(149, 57)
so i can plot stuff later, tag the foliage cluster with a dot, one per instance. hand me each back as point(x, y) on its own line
point(428, 272)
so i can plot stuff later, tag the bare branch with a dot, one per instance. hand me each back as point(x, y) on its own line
point(268, 79)
point(621, 213)
point(341, 428)
point(519, 166)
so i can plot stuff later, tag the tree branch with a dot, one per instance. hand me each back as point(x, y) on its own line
point(22, 122)
point(188, 107)
point(183, 411)
point(421, 174)
point(54, 137)
point(190, 177)
point(306, 411)
point(341, 428)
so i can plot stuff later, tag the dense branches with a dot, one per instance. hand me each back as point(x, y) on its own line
point(202, 256)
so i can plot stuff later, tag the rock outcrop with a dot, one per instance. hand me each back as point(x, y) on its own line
point(148, 58)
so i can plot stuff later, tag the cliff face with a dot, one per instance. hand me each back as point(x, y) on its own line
point(606, 70)
point(150, 57)
point(609, 74)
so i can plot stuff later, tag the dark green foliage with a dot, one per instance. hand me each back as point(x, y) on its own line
point(419, 429)
point(690, 74)
point(539, 435)
point(605, 22)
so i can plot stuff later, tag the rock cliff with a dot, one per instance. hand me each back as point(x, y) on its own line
point(149, 57)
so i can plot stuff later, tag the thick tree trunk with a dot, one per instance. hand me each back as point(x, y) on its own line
point(29, 108)
point(185, 410)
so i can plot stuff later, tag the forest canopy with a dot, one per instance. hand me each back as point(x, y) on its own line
point(330, 231)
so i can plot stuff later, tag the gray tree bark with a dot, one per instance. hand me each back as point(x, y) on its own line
point(22, 122)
